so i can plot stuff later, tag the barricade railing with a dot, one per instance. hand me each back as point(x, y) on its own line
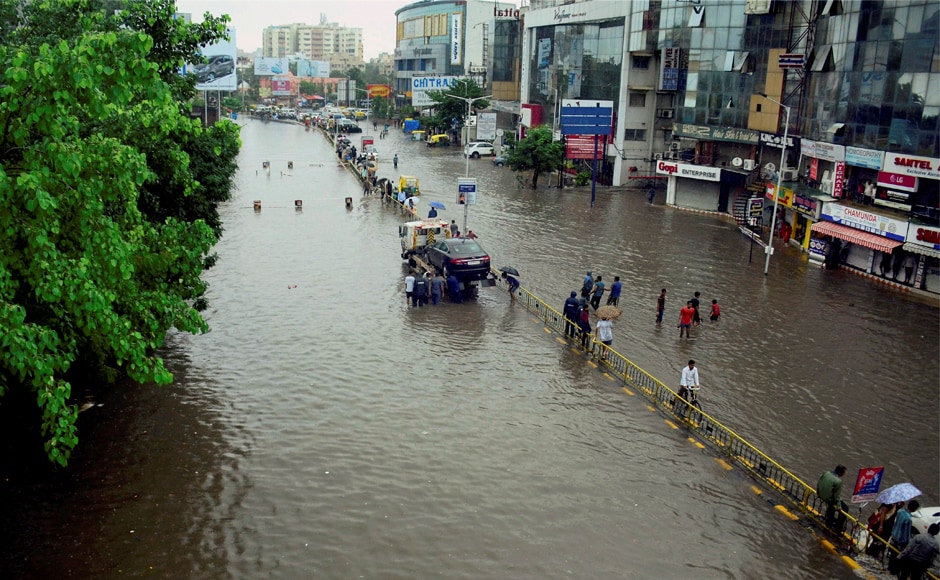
point(721, 437)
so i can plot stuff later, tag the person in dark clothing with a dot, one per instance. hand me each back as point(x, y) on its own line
point(453, 289)
point(584, 322)
point(587, 286)
point(919, 555)
point(419, 296)
point(571, 314)
point(615, 290)
point(829, 490)
point(696, 318)
point(598, 293)
point(660, 306)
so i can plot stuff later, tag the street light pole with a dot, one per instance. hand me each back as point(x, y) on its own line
point(783, 157)
point(469, 101)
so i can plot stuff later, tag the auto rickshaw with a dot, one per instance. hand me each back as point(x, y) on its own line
point(439, 140)
point(409, 184)
point(417, 135)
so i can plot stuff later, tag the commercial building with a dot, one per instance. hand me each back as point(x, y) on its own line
point(322, 41)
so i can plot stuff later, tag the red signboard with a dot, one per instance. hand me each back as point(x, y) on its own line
point(280, 87)
point(379, 91)
point(897, 181)
point(838, 179)
point(582, 146)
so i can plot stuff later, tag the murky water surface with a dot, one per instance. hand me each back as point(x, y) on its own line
point(323, 429)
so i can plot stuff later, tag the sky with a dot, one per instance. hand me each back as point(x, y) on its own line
point(376, 18)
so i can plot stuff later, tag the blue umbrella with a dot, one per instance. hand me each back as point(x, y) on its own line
point(898, 493)
point(437, 204)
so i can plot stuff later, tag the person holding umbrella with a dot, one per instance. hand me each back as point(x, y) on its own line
point(508, 275)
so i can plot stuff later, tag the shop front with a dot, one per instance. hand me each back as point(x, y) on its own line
point(861, 239)
point(923, 241)
point(691, 186)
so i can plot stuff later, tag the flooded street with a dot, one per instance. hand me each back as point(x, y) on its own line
point(323, 429)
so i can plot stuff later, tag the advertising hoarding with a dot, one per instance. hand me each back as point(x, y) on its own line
point(218, 73)
point(313, 68)
point(270, 66)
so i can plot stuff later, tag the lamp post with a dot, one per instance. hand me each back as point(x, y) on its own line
point(469, 101)
point(783, 157)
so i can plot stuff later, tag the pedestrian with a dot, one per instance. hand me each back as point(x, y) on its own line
point(409, 287)
point(453, 289)
point(587, 286)
point(829, 490)
point(650, 195)
point(615, 288)
point(716, 310)
point(919, 555)
point(437, 288)
point(879, 524)
point(402, 197)
point(570, 312)
point(454, 229)
point(660, 306)
point(584, 323)
point(689, 379)
point(419, 296)
point(696, 319)
point(909, 263)
point(395, 161)
point(685, 319)
point(901, 534)
point(375, 126)
point(471, 234)
point(598, 293)
point(513, 286)
point(432, 213)
point(604, 331)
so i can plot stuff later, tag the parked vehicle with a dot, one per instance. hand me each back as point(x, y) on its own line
point(462, 257)
point(477, 149)
point(409, 184)
point(439, 140)
point(501, 160)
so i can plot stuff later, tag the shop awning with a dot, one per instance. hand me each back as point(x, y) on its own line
point(919, 249)
point(855, 236)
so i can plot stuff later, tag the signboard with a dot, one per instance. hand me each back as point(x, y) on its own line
point(785, 198)
point(218, 73)
point(270, 66)
point(838, 179)
point(827, 151)
point(915, 165)
point(791, 60)
point(383, 91)
point(806, 206)
point(421, 85)
point(280, 87)
point(755, 210)
point(486, 126)
point(774, 140)
point(313, 68)
point(670, 63)
point(456, 34)
point(869, 158)
point(366, 140)
point(586, 117)
point(897, 181)
point(924, 236)
point(860, 219)
point(706, 133)
point(582, 147)
point(867, 484)
point(900, 200)
point(466, 191)
point(700, 172)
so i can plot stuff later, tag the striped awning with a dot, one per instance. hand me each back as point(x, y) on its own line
point(855, 236)
point(919, 249)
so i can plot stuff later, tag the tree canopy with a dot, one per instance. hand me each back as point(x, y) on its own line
point(538, 152)
point(109, 193)
point(450, 108)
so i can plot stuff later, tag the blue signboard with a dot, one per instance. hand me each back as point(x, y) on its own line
point(584, 117)
point(867, 484)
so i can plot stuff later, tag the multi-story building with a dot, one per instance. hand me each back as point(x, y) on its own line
point(456, 38)
point(316, 42)
point(702, 92)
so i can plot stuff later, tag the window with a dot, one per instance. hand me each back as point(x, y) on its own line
point(641, 62)
point(634, 135)
point(637, 99)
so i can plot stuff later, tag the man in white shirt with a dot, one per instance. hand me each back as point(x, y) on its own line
point(689, 379)
point(604, 332)
point(409, 287)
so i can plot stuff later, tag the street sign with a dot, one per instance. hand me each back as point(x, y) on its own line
point(791, 60)
point(466, 191)
point(586, 117)
point(867, 484)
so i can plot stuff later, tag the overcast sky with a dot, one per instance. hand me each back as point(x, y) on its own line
point(376, 18)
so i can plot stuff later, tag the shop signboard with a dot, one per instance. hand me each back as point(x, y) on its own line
point(868, 158)
point(808, 148)
point(774, 140)
point(670, 63)
point(456, 36)
point(583, 146)
point(838, 179)
point(827, 151)
point(818, 247)
point(755, 210)
point(897, 181)
point(914, 165)
point(899, 200)
point(786, 195)
point(706, 133)
point(860, 219)
point(421, 85)
point(806, 206)
point(924, 236)
point(688, 171)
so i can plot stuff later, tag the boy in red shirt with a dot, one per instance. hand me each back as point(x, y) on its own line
point(716, 311)
point(685, 319)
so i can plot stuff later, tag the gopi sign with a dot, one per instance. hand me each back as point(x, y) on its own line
point(688, 171)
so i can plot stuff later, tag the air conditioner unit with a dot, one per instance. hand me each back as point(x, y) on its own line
point(674, 146)
point(749, 165)
point(665, 113)
point(789, 174)
point(657, 156)
point(674, 155)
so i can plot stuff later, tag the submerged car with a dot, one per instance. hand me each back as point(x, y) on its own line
point(462, 257)
point(501, 160)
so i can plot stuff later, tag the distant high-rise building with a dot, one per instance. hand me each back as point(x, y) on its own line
point(317, 41)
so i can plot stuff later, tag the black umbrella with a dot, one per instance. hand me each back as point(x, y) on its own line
point(509, 270)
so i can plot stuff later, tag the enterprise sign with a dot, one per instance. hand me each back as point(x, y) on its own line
point(687, 171)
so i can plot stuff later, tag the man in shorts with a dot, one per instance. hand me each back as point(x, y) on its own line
point(409, 287)
point(685, 319)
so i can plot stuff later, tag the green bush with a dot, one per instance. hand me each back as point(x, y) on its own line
point(582, 178)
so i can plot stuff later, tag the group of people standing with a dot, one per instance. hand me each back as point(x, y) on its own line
point(425, 288)
point(689, 315)
point(892, 521)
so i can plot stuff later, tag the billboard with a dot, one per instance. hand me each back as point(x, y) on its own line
point(383, 91)
point(421, 85)
point(583, 147)
point(486, 126)
point(270, 66)
point(456, 34)
point(218, 72)
point(313, 68)
point(280, 87)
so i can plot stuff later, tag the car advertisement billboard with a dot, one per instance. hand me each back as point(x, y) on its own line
point(270, 66)
point(217, 73)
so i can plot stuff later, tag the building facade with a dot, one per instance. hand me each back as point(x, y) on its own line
point(316, 42)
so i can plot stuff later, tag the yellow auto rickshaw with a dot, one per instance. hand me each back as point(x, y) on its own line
point(439, 140)
point(409, 184)
point(417, 135)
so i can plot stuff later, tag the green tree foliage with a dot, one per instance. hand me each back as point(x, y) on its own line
point(106, 185)
point(308, 88)
point(537, 152)
point(452, 104)
point(381, 108)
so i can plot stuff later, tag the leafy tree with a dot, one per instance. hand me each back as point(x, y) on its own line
point(381, 108)
point(537, 152)
point(93, 120)
point(452, 104)
point(308, 88)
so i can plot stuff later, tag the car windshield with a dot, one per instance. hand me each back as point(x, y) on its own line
point(466, 248)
